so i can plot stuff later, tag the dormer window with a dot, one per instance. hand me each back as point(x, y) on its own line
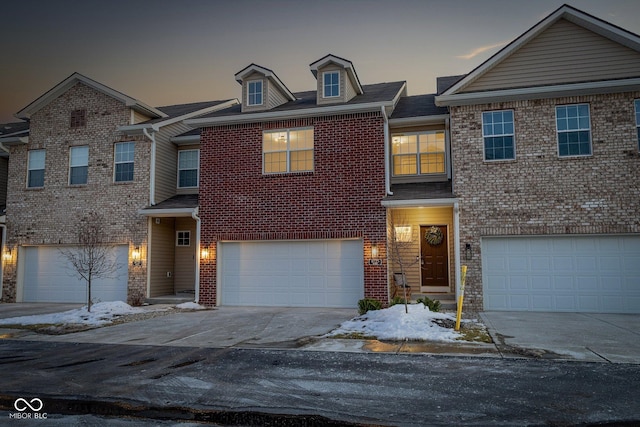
point(331, 84)
point(254, 92)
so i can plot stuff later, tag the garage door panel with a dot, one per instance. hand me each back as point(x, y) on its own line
point(49, 278)
point(576, 273)
point(292, 273)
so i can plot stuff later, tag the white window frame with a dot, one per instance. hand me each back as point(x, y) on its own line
point(636, 104)
point(181, 236)
point(289, 151)
point(417, 154)
point(498, 135)
point(83, 165)
point(579, 129)
point(197, 168)
point(116, 162)
point(250, 93)
point(324, 85)
point(30, 168)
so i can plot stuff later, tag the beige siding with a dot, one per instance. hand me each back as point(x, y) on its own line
point(162, 256)
point(274, 96)
point(167, 161)
point(185, 260)
point(416, 217)
point(139, 118)
point(564, 53)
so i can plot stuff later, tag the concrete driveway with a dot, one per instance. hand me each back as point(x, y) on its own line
point(591, 337)
point(33, 308)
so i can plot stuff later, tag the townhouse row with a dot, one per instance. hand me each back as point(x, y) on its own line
point(525, 170)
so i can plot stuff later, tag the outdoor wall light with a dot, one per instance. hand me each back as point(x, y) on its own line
point(204, 253)
point(135, 255)
point(6, 255)
point(374, 260)
point(468, 253)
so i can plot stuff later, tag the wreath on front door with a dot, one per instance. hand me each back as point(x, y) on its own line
point(434, 236)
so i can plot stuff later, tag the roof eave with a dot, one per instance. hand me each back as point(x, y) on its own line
point(173, 212)
point(14, 140)
point(186, 140)
point(415, 203)
point(419, 120)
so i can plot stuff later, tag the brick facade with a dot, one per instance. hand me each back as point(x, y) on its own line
point(540, 193)
point(339, 199)
point(47, 216)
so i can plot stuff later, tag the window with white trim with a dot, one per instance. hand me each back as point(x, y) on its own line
point(420, 153)
point(331, 84)
point(183, 238)
point(35, 168)
point(188, 165)
point(78, 165)
point(498, 135)
point(637, 104)
point(124, 161)
point(289, 150)
point(574, 130)
point(254, 92)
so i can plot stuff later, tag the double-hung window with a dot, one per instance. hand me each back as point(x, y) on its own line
point(188, 164)
point(420, 153)
point(498, 135)
point(124, 161)
point(289, 150)
point(78, 165)
point(35, 174)
point(637, 104)
point(331, 84)
point(254, 92)
point(574, 130)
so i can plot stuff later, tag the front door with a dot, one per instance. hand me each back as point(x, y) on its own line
point(434, 251)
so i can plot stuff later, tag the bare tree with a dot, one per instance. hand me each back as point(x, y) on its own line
point(94, 256)
point(401, 254)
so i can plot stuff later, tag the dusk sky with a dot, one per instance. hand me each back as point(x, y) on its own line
point(172, 52)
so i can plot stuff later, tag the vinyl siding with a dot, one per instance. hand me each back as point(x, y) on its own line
point(167, 161)
point(563, 53)
point(139, 118)
point(185, 260)
point(416, 218)
point(162, 256)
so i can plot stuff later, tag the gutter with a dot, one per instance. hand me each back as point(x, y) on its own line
point(387, 157)
point(415, 203)
point(152, 167)
point(195, 216)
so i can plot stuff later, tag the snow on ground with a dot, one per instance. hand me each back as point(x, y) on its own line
point(394, 324)
point(190, 306)
point(102, 313)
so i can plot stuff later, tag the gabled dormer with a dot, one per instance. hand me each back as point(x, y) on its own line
point(262, 90)
point(337, 80)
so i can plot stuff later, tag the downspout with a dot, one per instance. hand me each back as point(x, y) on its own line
point(387, 164)
point(152, 166)
point(195, 216)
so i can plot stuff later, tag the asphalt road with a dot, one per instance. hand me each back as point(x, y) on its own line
point(277, 387)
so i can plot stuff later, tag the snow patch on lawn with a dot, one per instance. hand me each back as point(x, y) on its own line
point(394, 324)
point(102, 313)
point(191, 306)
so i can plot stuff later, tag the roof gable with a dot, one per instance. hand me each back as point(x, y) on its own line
point(553, 52)
point(71, 81)
point(342, 63)
point(246, 72)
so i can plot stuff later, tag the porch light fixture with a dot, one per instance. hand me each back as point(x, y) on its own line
point(468, 253)
point(204, 253)
point(374, 260)
point(136, 257)
point(6, 255)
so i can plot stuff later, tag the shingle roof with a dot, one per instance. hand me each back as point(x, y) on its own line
point(446, 82)
point(417, 106)
point(13, 128)
point(181, 109)
point(379, 92)
point(180, 201)
point(421, 190)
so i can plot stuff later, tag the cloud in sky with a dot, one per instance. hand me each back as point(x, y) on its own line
point(477, 51)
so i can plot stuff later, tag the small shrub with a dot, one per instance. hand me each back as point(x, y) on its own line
point(367, 304)
point(434, 305)
point(396, 300)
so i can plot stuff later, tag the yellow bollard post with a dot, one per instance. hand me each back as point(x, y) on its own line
point(461, 296)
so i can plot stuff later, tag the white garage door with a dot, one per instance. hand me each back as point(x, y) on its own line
point(573, 274)
point(46, 278)
point(327, 273)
